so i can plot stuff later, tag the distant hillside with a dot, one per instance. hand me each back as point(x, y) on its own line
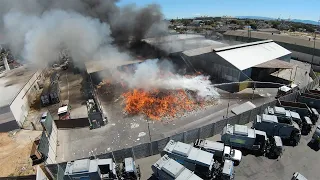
point(305, 21)
point(255, 17)
point(268, 18)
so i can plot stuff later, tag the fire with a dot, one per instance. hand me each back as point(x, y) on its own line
point(156, 104)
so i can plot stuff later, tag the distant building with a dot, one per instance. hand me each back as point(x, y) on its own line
point(269, 30)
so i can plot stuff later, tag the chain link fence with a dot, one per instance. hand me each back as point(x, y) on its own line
point(155, 147)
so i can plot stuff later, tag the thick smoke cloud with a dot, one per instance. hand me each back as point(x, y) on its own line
point(151, 74)
point(37, 29)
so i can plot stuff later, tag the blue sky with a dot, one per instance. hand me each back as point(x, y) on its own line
point(296, 9)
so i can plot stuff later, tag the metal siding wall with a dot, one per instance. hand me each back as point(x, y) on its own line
point(219, 125)
point(192, 135)
point(207, 131)
point(177, 137)
point(142, 150)
point(121, 154)
point(233, 120)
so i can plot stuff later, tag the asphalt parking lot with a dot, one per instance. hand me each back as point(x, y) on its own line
point(300, 158)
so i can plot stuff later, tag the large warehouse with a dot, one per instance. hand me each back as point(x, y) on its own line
point(302, 48)
point(222, 62)
point(16, 86)
point(239, 62)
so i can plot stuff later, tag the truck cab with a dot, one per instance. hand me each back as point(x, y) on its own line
point(316, 136)
point(306, 125)
point(64, 111)
point(298, 176)
point(219, 150)
point(314, 115)
point(276, 147)
point(287, 89)
point(227, 170)
point(232, 154)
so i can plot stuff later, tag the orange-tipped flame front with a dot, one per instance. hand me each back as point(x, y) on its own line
point(156, 104)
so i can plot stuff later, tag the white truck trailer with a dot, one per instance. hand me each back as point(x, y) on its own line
point(219, 150)
point(240, 136)
point(273, 126)
point(169, 169)
point(200, 162)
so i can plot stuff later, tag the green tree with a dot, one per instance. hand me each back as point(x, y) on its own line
point(253, 26)
point(275, 24)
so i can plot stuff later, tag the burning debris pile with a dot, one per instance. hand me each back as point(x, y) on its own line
point(153, 90)
point(156, 104)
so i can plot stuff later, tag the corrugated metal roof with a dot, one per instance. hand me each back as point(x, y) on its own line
point(301, 41)
point(249, 56)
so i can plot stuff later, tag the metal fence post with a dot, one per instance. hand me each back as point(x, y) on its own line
point(199, 132)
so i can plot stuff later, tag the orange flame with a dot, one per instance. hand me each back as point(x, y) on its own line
point(156, 104)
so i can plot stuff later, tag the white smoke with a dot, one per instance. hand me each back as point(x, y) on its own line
point(41, 38)
point(151, 75)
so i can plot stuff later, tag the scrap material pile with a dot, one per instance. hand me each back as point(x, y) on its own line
point(156, 104)
point(158, 94)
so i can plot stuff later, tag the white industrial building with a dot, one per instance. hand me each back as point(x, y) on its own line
point(239, 62)
point(16, 87)
point(225, 63)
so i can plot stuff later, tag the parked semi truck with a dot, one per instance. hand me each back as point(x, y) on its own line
point(240, 136)
point(316, 136)
point(284, 114)
point(200, 162)
point(167, 168)
point(286, 129)
point(304, 123)
point(219, 150)
point(300, 108)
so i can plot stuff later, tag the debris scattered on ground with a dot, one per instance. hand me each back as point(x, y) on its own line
point(141, 134)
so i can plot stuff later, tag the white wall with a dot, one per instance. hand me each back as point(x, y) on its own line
point(20, 106)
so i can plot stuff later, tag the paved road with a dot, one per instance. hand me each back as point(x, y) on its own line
point(300, 158)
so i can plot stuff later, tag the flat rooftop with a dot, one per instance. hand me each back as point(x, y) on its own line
point(11, 83)
point(183, 42)
point(96, 66)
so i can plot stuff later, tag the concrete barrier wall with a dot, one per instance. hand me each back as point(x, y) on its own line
point(155, 147)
